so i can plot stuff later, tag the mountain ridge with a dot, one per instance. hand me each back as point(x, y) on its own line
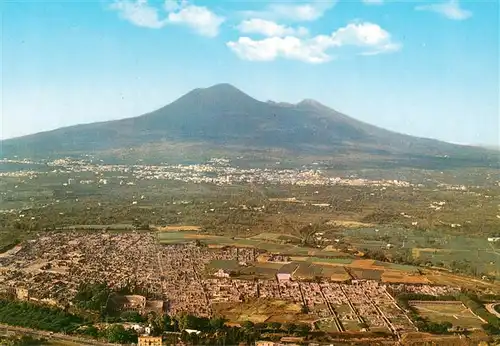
point(223, 116)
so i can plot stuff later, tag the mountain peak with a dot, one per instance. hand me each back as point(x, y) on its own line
point(310, 102)
point(223, 88)
point(223, 117)
point(217, 94)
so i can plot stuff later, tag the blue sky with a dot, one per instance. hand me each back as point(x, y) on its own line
point(423, 68)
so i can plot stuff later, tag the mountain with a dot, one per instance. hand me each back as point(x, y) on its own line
point(224, 119)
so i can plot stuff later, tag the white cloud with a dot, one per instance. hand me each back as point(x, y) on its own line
point(369, 37)
point(450, 10)
point(271, 48)
point(373, 2)
point(199, 18)
point(140, 13)
point(293, 12)
point(360, 34)
point(269, 28)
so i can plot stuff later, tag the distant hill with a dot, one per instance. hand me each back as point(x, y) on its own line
point(491, 147)
point(222, 119)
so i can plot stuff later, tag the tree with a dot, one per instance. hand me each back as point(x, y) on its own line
point(248, 325)
point(92, 296)
point(183, 322)
point(132, 316)
point(217, 323)
point(118, 334)
point(290, 327)
point(167, 323)
point(157, 324)
point(188, 321)
point(91, 331)
point(274, 326)
point(303, 329)
point(260, 326)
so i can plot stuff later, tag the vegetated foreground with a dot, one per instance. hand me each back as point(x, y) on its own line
point(255, 253)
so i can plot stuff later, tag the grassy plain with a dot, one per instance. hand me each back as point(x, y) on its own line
point(456, 314)
point(311, 266)
point(326, 325)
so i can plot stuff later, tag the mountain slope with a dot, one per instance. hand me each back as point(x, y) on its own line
point(224, 117)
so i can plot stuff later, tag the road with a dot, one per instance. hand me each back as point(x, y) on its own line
point(6, 329)
point(491, 309)
point(494, 249)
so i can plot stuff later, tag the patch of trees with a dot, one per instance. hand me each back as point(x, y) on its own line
point(425, 325)
point(115, 333)
point(214, 331)
point(203, 324)
point(92, 296)
point(276, 327)
point(226, 336)
point(404, 298)
point(378, 255)
point(9, 245)
point(490, 297)
point(29, 315)
point(119, 335)
point(24, 340)
point(381, 217)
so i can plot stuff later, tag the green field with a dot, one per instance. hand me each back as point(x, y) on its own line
point(366, 274)
point(289, 249)
point(401, 267)
point(456, 314)
point(308, 271)
point(276, 237)
point(351, 325)
point(250, 273)
point(437, 247)
point(306, 265)
point(330, 260)
point(327, 325)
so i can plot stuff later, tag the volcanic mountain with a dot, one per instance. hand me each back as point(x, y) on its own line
point(222, 118)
